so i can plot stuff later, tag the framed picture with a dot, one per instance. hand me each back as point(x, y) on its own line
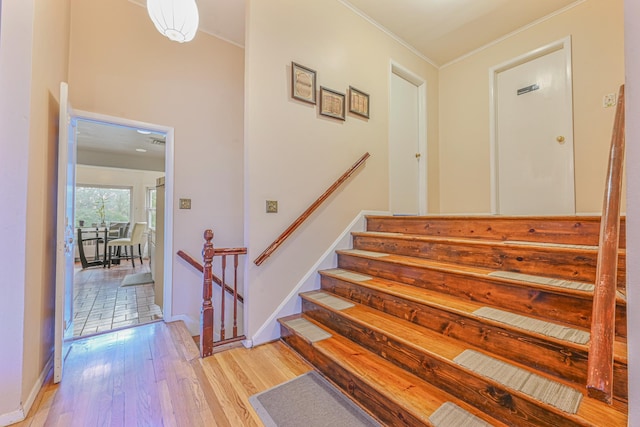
point(358, 102)
point(332, 103)
point(303, 83)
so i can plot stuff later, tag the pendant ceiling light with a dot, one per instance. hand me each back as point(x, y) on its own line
point(175, 19)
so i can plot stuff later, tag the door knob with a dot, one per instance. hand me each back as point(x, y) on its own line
point(560, 139)
point(418, 155)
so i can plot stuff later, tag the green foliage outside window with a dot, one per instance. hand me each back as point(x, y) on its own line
point(151, 207)
point(97, 205)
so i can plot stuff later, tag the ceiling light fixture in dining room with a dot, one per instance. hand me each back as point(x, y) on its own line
point(175, 19)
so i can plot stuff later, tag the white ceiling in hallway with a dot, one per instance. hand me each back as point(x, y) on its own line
point(441, 30)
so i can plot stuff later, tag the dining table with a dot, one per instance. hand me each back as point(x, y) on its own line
point(97, 235)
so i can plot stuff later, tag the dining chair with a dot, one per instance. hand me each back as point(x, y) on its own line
point(137, 238)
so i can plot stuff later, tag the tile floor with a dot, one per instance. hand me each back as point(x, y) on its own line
point(100, 304)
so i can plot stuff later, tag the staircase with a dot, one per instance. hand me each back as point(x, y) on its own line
point(464, 321)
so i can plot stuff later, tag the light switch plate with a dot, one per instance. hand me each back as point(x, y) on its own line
point(609, 100)
point(185, 203)
point(272, 206)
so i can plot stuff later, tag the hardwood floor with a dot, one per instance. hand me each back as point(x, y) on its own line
point(151, 375)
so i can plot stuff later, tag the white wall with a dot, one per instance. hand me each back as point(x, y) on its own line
point(632, 92)
point(15, 85)
point(292, 154)
point(34, 43)
point(196, 88)
point(596, 31)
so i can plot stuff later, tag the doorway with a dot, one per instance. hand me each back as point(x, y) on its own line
point(407, 143)
point(138, 157)
point(532, 133)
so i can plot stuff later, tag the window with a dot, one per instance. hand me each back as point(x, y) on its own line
point(151, 207)
point(97, 205)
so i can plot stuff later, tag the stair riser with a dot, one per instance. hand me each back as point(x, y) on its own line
point(486, 290)
point(586, 231)
point(379, 405)
point(557, 263)
point(483, 393)
point(563, 362)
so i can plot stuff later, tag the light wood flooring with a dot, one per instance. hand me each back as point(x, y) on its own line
point(100, 304)
point(151, 375)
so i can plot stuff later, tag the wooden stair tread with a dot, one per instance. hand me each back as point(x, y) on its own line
point(416, 395)
point(559, 262)
point(408, 332)
point(466, 308)
point(564, 229)
point(552, 247)
point(445, 350)
point(459, 304)
point(473, 271)
point(558, 357)
point(419, 295)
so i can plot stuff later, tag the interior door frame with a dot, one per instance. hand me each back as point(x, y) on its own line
point(563, 44)
point(421, 84)
point(167, 309)
point(65, 241)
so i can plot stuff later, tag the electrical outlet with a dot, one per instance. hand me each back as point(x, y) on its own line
point(609, 100)
point(272, 206)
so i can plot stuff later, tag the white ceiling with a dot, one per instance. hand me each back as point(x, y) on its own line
point(102, 144)
point(439, 30)
point(443, 30)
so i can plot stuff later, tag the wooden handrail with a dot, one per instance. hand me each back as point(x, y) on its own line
point(306, 214)
point(600, 365)
point(217, 251)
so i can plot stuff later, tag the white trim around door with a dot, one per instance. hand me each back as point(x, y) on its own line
point(168, 207)
point(564, 45)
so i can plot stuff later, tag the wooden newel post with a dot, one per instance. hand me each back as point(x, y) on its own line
point(206, 314)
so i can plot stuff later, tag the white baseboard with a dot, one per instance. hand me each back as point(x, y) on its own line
point(12, 417)
point(270, 330)
point(21, 413)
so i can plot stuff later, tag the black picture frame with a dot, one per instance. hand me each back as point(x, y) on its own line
point(358, 102)
point(303, 83)
point(332, 103)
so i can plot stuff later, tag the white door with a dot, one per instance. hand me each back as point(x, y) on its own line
point(65, 233)
point(404, 147)
point(534, 137)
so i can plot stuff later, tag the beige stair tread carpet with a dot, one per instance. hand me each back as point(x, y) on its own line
point(307, 329)
point(536, 386)
point(451, 415)
point(534, 325)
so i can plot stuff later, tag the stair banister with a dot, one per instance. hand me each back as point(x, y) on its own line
point(217, 251)
point(207, 342)
point(306, 214)
point(600, 366)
